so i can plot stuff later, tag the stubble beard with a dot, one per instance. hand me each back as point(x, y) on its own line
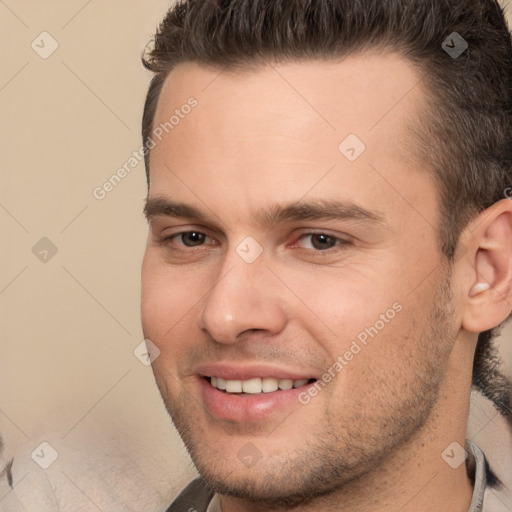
point(342, 451)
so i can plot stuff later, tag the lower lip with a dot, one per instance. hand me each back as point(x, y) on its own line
point(246, 408)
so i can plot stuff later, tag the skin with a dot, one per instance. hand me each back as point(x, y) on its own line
point(261, 140)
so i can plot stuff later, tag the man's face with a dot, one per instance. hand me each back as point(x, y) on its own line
point(284, 254)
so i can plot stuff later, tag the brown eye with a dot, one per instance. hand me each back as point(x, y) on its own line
point(323, 242)
point(319, 241)
point(192, 238)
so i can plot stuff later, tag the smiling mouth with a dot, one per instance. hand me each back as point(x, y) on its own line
point(256, 385)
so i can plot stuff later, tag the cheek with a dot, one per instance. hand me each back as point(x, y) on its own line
point(380, 362)
point(172, 299)
point(361, 323)
point(397, 350)
point(343, 305)
point(167, 300)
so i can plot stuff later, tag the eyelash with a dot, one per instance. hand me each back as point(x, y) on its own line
point(340, 243)
point(168, 239)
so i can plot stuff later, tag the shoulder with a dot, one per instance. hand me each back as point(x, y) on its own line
point(489, 493)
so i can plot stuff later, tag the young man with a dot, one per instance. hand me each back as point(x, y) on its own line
point(330, 247)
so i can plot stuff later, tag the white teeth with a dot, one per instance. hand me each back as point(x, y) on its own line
point(256, 385)
point(269, 384)
point(252, 386)
point(234, 386)
point(286, 384)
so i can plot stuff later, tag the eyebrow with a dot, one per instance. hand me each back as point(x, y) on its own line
point(319, 210)
point(295, 211)
point(159, 206)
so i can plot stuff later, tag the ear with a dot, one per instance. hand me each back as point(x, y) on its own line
point(488, 287)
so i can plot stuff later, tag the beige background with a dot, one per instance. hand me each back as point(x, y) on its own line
point(68, 375)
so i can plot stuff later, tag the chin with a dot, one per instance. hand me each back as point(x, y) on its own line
point(274, 491)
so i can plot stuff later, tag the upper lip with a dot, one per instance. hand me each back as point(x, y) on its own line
point(241, 371)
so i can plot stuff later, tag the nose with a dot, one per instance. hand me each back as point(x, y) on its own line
point(244, 299)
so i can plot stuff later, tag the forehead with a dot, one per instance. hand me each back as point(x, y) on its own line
point(361, 93)
point(284, 127)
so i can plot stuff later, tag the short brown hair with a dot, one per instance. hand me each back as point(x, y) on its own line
point(466, 136)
